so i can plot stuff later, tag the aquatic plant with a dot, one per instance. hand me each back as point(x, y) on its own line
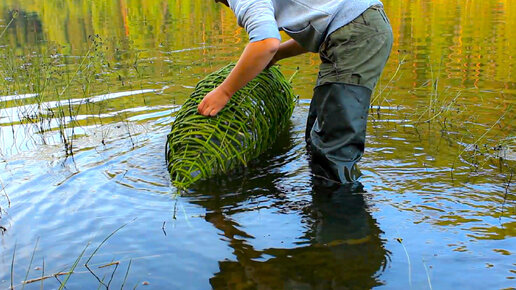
point(199, 147)
point(48, 90)
point(74, 266)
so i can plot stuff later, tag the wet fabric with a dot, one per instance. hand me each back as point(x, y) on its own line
point(353, 58)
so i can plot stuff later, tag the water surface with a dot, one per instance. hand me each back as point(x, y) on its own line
point(434, 209)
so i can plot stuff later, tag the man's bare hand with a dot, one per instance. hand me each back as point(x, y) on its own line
point(213, 102)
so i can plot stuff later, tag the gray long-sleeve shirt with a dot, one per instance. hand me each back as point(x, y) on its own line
point(306, 21)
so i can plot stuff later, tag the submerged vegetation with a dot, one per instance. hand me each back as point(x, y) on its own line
point(199, 147)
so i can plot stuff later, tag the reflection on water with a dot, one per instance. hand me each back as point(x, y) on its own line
point(342, 248)
point(339, 245)
point(435, 207)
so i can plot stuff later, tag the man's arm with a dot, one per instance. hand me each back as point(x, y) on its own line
point(287, 49)
point(256, 56)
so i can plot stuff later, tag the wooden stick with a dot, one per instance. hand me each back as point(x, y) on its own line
point(110, 264)
point(45, 277)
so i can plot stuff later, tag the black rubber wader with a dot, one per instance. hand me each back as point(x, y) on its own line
point(353, 58)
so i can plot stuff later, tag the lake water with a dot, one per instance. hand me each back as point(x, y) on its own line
point(88, 94)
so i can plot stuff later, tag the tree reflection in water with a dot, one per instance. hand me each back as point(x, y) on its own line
point(26, 26)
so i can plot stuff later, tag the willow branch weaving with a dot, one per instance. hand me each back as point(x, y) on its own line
point(200, 147)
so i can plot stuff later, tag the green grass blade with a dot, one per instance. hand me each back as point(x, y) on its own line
point(73, 268)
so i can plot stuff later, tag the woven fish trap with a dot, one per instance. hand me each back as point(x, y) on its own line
point(200, 147)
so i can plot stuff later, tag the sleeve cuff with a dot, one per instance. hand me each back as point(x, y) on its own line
point(263, 30)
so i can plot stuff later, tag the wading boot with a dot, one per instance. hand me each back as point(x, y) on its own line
point(336, 130)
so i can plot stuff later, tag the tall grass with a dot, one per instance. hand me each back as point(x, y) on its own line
point(59, 85)
point(443, 111)
point(62, 77)
point(53, 80)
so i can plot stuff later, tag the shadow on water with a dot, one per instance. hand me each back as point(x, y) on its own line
point(340, 244)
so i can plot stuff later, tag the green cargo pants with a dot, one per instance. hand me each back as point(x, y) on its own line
point(353, 58)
